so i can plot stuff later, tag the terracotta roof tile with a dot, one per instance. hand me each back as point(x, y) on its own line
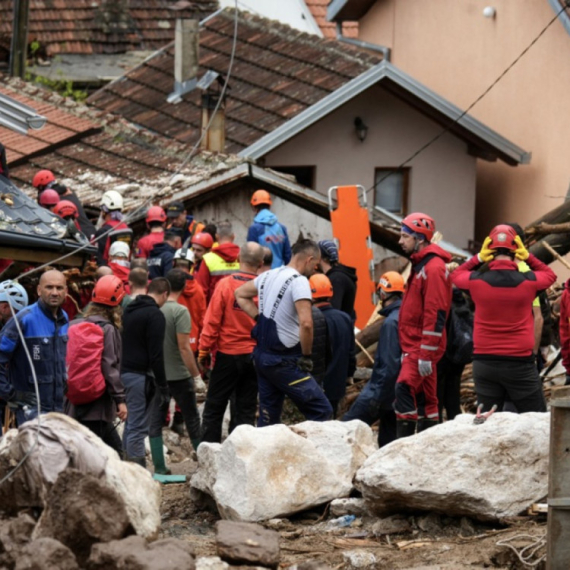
point(278, 72)
point(318, 9)
point(102, 26)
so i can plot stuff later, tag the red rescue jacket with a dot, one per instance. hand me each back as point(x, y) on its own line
point(565, 326)
point(194, 300)
point(504, 323)
point(146, 243)
point(425, 305)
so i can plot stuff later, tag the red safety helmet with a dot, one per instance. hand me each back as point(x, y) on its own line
point(155, 214)
point(261, 197)
point(43, 178)
point(503, 237)
point(48, 197)
point(66, 209)
point(109, 290)
point(204, 239)
point(420, 224)
point(321, 286)
point(392, 282)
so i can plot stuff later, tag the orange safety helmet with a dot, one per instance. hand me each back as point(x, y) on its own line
point(420, 224)
point(48, 197)
point(155, 214)
point(109, 290)
point(503, 237)
point(261, 197)
point(321, 286)
point(204, 239)
point(43, 178)
point(66, 209)
point(392, 282)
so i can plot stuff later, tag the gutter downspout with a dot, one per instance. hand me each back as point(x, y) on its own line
point(385, 51)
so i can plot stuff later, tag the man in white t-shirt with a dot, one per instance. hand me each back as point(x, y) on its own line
point(284, 334)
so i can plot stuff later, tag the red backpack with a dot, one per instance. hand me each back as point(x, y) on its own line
point(85, 380)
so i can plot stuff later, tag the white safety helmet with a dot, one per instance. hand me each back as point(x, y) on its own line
point(13, 293)
point(185, 253)
point(112, 200)
point(120, 249)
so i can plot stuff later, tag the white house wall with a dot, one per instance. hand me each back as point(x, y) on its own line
point(442, 180)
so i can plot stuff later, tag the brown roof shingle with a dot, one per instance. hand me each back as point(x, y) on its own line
point(102, 26)
point(278, 72)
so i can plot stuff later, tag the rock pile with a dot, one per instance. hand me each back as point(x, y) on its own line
point(262, 473)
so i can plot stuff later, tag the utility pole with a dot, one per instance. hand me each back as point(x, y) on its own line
point(19, 44)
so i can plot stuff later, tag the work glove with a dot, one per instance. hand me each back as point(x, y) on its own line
point(204, 358)
point(521, 252)
point(424, 367)
point(305, 363)
point(199, 385)
point(19, 399)
point(486, 254)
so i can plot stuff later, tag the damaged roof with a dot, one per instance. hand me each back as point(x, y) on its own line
point(101, 26)
point(318, 9)
point(278, 73)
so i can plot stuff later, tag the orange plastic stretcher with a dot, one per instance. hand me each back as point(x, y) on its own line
point(351, 231)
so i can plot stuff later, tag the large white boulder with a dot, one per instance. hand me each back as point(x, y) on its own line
point(261, 473)
point(486, 471)
point(64, 443)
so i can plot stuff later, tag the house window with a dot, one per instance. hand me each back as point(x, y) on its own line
point(305, 175)
point(391, 189)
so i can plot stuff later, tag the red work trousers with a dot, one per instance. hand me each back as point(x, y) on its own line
point(409, 384)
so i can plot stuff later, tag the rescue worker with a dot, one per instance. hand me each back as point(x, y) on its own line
point(267, 231)
point(503, 334)
point(119, 262)
point(284, 335)
point(99, 414)
point(222, 260)
point(340, 337)
point(138, 282)
point(178, 219)
point(202, 243)
point(155, 221)
point(423, 315)
point(342, 277)
point(142, 365)
point(192, 296)
point(111, 225)
point(161, 258)
point(182, 374)
point(44, 328)
point(45, 179)
point(68, 211)
point(376, 401)
point(48, 199)
point(228, 330)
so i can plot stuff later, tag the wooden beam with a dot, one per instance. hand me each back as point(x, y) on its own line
point(39, 256)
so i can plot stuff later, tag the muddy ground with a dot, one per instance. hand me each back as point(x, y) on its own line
point(431, 542)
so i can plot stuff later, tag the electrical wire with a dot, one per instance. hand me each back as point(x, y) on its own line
point(526, 553)
point(3, 287)
point(484, 94)
point(134, 213)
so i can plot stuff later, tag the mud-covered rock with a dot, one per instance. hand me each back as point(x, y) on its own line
point(46, 554)
point(82, 510)
point(14, 535)
point(135, 553)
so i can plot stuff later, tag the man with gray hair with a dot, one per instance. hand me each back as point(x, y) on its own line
point(220, 261)
point(284, 334)
point(228, 328)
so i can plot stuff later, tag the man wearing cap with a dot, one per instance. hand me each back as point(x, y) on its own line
point(423, 315)
point(376, 401)
point(180, 221)
point(503, 330)
point(267, 231)
point(342, 278)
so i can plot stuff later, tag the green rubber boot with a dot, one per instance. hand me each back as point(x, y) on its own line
point(157, 453)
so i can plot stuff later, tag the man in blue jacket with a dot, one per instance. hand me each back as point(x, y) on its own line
point(267, 231)
point(377, 397)
point(341, 362)
point(44, 328)
point(161, 258)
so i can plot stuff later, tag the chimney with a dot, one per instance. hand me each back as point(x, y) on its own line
point(215, 138)
point(186, 61)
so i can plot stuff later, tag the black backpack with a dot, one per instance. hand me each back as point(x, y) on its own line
point(460, 336)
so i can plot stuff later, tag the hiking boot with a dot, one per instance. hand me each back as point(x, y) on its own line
point(405, 428)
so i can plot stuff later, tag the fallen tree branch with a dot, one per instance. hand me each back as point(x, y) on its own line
point(556, 255)
point(544, 228)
